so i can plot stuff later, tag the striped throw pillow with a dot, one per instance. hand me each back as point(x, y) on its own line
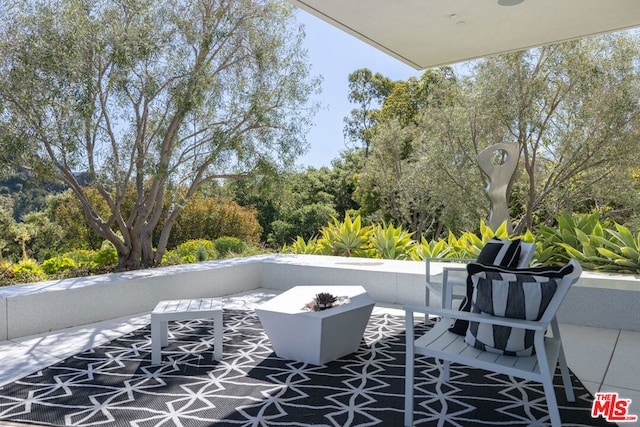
point(520, 294)
point(500, 252)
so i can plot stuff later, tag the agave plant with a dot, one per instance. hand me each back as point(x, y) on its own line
point(607, 250)
point(392, 242)
point(302, 247)
point(625, 255)
point(469, 244)
point(349, 238)
point(556, 245)
point(430, 249)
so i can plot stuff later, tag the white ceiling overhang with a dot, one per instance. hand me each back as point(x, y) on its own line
point(429, 33)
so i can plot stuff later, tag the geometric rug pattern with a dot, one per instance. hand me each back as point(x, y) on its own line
point(115, 385)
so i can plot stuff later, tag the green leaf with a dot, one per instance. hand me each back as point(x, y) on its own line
point(609, 254)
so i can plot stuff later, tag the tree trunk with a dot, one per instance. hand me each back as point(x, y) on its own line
point(128, 261)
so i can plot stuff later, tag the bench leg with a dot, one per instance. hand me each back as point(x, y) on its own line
point(158, 340)
point(217, 335)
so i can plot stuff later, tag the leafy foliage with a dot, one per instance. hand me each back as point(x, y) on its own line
point(58, 265)
point(194, 251)
point(213, 217)
point(27, 271)
point(154, 98)
point(367, 90)
point(392, 242)
point(571, 108)
point(300, 246)
point(348, 238)
point(229, 245)
point(597, 245)
point(83, 257)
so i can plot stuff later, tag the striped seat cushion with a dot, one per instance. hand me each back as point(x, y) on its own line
point(514, 293)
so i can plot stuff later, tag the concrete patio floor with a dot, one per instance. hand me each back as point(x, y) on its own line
point(605, 360)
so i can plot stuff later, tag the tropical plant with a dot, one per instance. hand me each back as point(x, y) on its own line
point(439, 248)
point(469, 245)
point(301, 247)
point(392, 242)
point(622, 252)
point(556, 245)
point(348, 238)
point(605, 249)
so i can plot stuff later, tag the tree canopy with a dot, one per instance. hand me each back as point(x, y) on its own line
point(155, 97)
point(572, 108)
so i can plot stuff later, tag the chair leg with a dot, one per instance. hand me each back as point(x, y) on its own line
point(409, 371)
point(562, 361)
point(566, 378)
point(427, 296)
point(552, 402)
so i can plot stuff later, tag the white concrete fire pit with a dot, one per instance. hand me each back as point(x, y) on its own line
point(316, 337)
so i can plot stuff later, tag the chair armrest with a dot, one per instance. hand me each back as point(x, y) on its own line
point(476, 317)
point(428, 262)
point(444, 259)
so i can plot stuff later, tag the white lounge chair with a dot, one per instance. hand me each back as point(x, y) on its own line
point(442, 344)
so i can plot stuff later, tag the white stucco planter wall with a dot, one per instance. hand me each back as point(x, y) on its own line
point(42, 307)
point(388, 281)
point(601, 300)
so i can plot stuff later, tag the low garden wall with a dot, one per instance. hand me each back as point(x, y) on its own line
point(601, 300)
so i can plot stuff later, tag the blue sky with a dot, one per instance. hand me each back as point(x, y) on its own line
point(334, 54)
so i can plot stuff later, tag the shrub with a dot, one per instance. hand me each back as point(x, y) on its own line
point(211, 218)
point(6, 273)
point(58, 265)
point(171, 258)
point(27, 271)
point(44, 236)
point(106, 258)
point(195, 251)
point(188, 259)
point(83, 257)
point(229, 245)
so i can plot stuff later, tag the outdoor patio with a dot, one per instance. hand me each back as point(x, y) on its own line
point(603, 359)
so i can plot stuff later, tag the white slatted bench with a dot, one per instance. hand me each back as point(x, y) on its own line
point(187, 309)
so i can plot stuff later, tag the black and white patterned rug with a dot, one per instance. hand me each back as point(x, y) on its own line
point(115, 385)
